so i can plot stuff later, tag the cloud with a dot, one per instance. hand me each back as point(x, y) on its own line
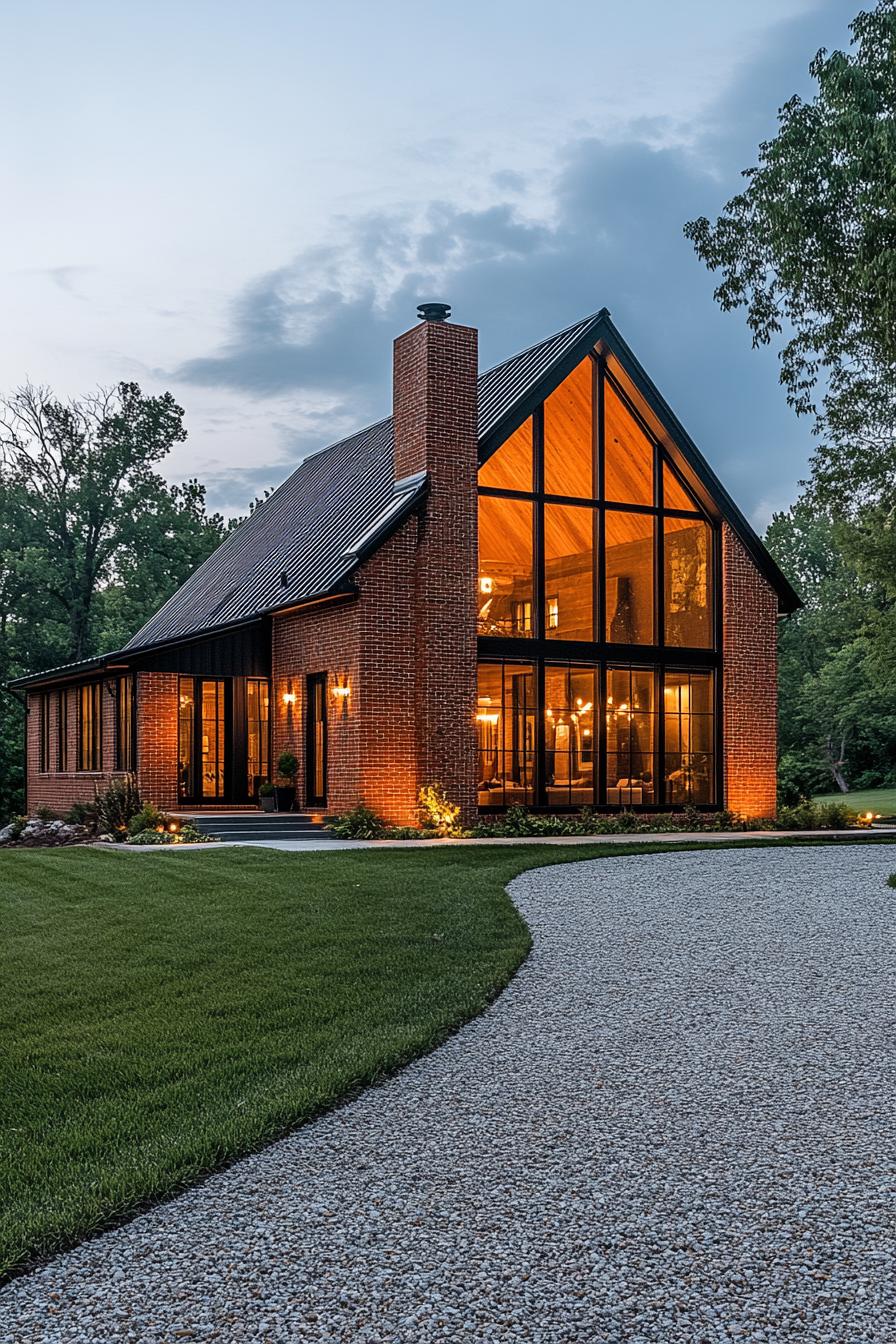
point(321, 326)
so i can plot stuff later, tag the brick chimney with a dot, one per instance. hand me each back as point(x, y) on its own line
point(434, 411)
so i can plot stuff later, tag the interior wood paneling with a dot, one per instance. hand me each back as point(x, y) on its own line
point(628, 454)
point(569, 467)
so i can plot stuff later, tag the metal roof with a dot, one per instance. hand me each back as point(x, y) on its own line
point(305, 539)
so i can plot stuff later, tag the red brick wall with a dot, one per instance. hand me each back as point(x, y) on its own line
point(156, 747)
point(749, 682)
point(367, 644)
point(434, 407)
point(157, 701)
point(324, 639)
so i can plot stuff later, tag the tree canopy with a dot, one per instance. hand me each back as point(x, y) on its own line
point(92, 537)
point(808, 249)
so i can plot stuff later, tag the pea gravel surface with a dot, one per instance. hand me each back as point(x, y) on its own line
point(677, 1124)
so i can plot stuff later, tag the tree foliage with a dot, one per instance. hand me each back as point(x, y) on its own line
point(92, 537)
point(808, 249)
point(837, 694)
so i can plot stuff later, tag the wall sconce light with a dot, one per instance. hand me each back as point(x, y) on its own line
point(342, 692)
point(486, 585)
point(289, 697)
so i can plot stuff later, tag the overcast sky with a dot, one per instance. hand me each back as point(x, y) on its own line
point(243, 202)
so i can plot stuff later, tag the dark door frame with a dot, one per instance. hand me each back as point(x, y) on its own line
point(315, 712)
point(197, 798)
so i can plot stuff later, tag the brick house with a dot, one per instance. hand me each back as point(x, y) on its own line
point(527, 584)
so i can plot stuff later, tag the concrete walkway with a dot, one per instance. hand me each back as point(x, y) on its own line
point(676, 1126)
point(329, 843)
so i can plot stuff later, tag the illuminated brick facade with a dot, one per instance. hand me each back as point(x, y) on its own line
point(395, 635)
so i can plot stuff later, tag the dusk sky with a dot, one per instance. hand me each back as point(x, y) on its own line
point(244, 203)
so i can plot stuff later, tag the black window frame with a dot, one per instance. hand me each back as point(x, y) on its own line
point(62, 730)
point(543, 648)
point(43, 757)
point(90, 752)
point(126, 724)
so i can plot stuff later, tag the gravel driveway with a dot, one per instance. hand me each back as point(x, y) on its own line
point(677, 1125)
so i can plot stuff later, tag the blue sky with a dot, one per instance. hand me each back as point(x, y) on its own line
point(244, 203)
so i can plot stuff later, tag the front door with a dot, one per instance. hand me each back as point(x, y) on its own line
point(316, 740)
point(204, 739)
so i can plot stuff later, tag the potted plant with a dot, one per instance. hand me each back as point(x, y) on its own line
point(267, 797)
point(287, 768)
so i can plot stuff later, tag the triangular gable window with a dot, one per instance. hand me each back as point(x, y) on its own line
point(675, 496)
point(628, 453)
point(510, 467)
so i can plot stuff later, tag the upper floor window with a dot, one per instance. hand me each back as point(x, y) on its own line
point(586, 531)
point(90, 727)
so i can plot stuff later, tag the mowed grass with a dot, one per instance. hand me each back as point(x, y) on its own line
point(864, 800)
point(164, 1014)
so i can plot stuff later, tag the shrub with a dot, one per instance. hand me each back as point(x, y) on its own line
point(816, 817)
point(891, 880)
point(187, 835)
point(288, 765)
point(406, 833)
point(436, 810)
point(266, 789)
point(358, 823)
point(116, 805)
point(44, 813)
point(81, 814)
point(149, 818)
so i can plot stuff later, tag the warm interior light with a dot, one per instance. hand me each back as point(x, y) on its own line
point(487, 718)
point(486, 584)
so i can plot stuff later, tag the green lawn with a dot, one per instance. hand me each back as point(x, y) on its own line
point(163, 1014)
point(864, 800)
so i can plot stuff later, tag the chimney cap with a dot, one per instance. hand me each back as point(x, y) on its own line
point(434, 312)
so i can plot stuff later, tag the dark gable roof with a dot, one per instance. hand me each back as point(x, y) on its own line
point(304, 541)
point(310, 527)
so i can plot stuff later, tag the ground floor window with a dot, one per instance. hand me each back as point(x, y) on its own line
point(44, 753)
point(571, 735)
point(506, 724)
point(689, 756)
point(90, 727)
point(125, 725)
point(62, 730)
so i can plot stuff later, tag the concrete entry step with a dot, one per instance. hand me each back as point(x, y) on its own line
point(240, 826)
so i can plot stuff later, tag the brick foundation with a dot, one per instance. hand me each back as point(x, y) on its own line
point(749, 682)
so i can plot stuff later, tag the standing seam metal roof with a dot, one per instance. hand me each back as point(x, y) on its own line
point(297, 544)
point(335, 496)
